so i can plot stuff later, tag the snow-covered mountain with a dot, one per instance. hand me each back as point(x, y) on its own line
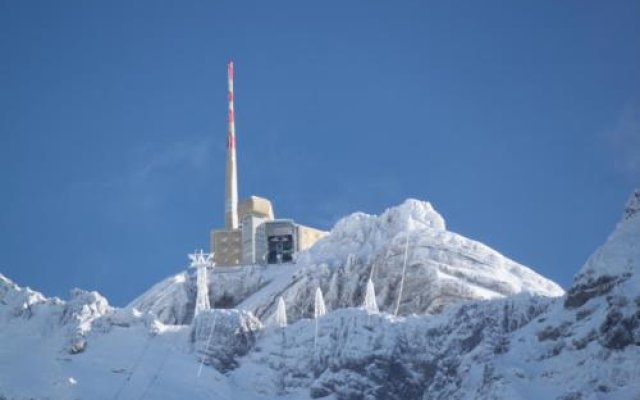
point(507, 341)
point(442, 268)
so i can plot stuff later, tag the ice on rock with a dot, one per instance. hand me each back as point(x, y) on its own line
point(281, 314)
point(319, 309)
point(404, 272)
point(370, 303)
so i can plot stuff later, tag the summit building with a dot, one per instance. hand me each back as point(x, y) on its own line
point(252, 234)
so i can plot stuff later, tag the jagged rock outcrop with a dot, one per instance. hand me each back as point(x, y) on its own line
point(80, 313)
point(20, 302)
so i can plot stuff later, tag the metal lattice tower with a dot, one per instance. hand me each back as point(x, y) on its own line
point(201, 261)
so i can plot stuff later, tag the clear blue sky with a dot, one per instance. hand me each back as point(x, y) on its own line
point(519, 122)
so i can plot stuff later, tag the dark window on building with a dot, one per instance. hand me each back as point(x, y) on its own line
point(280, 249)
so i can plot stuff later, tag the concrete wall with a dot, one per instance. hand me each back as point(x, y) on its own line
point(308, 236)
point(252, 238)
point(256, 206)
point(226, 247)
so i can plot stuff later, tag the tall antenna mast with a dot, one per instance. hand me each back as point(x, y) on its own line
point(231, 182)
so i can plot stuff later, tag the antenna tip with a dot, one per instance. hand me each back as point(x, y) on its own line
point(230, 69)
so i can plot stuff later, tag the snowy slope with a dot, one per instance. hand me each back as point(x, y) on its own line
point(442, 268)
point(121, 356)
point(584, 345)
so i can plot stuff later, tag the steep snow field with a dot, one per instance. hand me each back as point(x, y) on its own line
point(510, 340)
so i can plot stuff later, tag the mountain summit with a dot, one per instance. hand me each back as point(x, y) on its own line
point(440, 268)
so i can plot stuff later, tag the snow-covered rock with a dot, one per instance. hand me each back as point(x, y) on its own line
point(171, 300)
point(19, 302)
point(76, 317)
point(80, 314)
point(633, 205)
point(443, 268)
point(362, 355)
point(585, 345)
point(617, 261)
point(519, 347)
point(222, 336)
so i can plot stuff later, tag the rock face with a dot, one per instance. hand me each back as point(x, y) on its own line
point(376, 356)
point(615, 262)
point(442, 268)
point(633, 205)
point(610, 283)
point(220, 337)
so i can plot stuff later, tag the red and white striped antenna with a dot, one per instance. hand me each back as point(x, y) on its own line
point(231, 182)
point(232, 126)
